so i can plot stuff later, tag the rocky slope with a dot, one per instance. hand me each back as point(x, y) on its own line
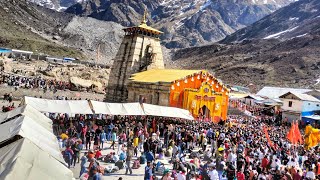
point(185, 23)
point(290, 63)
point(35, 28)
point(282, 49)
point(301, 18)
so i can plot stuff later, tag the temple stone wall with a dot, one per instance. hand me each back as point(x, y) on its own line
point(133, 56)
point(157, 94)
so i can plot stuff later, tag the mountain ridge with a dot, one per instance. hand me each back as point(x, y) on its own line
point(298, 19)
point(185, 23)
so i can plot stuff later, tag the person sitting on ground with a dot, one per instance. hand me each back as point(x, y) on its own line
point(115, 157)
point(98, 154)
point(96, 174)
point(149, 156)
point(122, 156)
point(161, 155)
point(169, 152)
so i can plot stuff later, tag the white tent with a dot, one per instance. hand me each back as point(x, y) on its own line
point(136, 109)
point(59, 106)
point(29, 129)
point(30, 112)
point(154, 110)
point(22, 159)
point(117, 108)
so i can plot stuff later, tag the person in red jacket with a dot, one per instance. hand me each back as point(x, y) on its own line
point(264, 163)
point(240, 175)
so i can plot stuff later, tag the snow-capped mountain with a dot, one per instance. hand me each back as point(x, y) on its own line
point(185, 22)
point(58, 5)
point(299, 19)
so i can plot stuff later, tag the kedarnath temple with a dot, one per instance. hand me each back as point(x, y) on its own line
point(138, 74)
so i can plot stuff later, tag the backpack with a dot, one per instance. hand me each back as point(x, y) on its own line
point(119, 164)
point(142, 159)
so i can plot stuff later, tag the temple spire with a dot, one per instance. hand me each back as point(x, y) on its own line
point(144, 18)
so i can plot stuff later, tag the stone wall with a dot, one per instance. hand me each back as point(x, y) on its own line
point(133, 57)
point(155, 93)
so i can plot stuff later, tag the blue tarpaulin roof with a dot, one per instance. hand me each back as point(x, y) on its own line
point(4, 50)
point(68, 59)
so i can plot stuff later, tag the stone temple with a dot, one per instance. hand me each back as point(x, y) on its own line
point(139, 51)
point(138, 75)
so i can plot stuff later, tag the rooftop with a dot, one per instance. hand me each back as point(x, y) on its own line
point(162, 75)
point(303, 97)
point(276, 92)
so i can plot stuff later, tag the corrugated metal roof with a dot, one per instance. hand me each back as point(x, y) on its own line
point(275, 92)
point(304, 97)
point(255, 97)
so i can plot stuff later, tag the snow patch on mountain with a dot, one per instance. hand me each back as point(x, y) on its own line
point(205, 5)
point(302, 35)
point(276, 35)
point(293, 19)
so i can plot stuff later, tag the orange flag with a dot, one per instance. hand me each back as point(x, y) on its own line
point(291, 135)
point(294, 135)
point(267, 136)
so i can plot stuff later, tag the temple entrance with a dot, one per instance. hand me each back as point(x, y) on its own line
point(204, 112)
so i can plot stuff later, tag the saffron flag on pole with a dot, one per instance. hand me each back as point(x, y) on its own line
point(291, 134)
point(294, 135)
point(267, 136)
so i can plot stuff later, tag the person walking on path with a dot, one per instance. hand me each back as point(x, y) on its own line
point(114, 138)
point(129, 158)
point(68, 154)
point(148, 171)
point(84, 160)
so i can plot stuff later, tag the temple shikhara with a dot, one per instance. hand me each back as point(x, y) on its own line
point(138, 74)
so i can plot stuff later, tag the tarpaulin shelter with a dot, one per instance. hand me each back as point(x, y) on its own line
point(311, 119)
point(30, 112)
point(23, 159)
point(59, 106)
point(28, 128)
point(164, 111)
point(133, 109)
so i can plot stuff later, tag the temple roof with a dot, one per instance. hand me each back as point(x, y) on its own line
point(143, 25)
point(163, 75)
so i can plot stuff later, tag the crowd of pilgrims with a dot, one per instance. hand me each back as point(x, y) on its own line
point(198, 150)
point(34, 82)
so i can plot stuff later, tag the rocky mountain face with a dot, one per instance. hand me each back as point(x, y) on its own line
point(58, 5)
point(34, 28)
point(298, 19)
point(282, 49)
point(185, 23)
point(291, 63)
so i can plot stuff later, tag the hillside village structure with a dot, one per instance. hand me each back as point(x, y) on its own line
point(138, 75)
